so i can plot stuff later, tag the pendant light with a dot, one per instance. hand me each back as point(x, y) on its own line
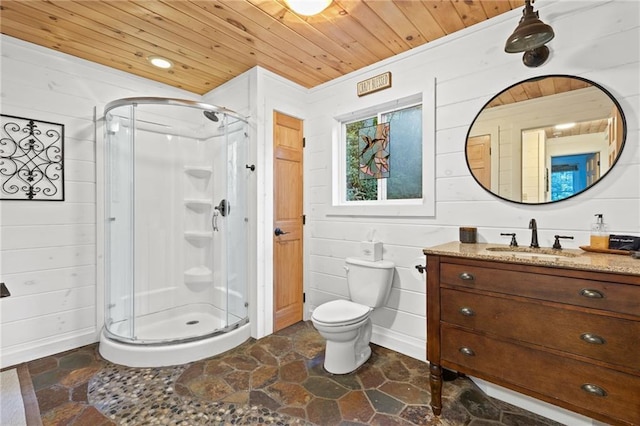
point(308, 7)
point(530, 36)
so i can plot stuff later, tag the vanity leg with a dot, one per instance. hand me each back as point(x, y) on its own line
point(435, 382)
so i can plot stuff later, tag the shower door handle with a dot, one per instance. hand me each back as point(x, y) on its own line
point(279, 232)
point(214, 220)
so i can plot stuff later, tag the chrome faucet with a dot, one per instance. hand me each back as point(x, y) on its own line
point(534, 234)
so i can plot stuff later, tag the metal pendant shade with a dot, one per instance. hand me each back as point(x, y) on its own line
point(530, 33)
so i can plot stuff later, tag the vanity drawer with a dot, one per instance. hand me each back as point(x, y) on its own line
point(609, 296)
point(539, 371)
point(611, 340)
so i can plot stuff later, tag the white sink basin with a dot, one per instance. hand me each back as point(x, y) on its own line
point(531, 253)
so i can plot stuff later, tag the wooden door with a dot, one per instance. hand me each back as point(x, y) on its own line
point(593, 168)
point(616, 134)
point(287, 217)
point(479, 157)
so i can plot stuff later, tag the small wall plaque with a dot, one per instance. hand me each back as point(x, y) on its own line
point(31, 159)
point(374, 84)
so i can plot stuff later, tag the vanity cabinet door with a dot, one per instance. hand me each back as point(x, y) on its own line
point(596, 336)
point(536, 372)
point(541, 283)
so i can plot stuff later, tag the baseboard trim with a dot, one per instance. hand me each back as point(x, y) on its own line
point(39, 349)
point(31, 408)
point(542, 408)
point(407, 345)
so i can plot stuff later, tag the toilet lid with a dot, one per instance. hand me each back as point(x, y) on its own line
point(340, 311)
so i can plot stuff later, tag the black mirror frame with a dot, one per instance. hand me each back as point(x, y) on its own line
point(615, 102)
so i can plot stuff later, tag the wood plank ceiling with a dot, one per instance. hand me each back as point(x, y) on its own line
point(212, 41)
point(536, 89)
point(546, 87)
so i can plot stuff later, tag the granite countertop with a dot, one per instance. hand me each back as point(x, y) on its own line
point(565, 258)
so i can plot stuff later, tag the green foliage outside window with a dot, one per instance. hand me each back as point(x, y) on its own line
point(358, 189)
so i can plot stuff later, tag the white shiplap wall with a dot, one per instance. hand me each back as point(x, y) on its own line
point(48, 249)
point(598, 40)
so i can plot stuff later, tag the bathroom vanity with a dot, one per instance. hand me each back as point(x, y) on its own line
point(564, 329)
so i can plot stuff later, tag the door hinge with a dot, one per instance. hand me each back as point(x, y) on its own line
point(304, 142)
point(304, 219)
point(304, 297)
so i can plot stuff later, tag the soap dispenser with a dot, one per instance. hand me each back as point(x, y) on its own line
point(599, 234)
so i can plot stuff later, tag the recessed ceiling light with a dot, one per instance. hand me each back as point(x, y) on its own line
point(160, 62)
point(565, 126)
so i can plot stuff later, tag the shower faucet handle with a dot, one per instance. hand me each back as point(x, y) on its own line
point(224, 207)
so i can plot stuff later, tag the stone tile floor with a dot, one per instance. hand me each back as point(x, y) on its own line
point(276, 380)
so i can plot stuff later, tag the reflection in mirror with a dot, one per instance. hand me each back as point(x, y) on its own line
point(545, 139)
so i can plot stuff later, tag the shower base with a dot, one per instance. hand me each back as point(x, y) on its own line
point(174, 336)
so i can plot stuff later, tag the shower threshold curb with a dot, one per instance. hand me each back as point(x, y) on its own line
point(148, 356)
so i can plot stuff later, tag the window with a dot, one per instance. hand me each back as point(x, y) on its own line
point(379, 172)
point(568, 175)
point(383, 159)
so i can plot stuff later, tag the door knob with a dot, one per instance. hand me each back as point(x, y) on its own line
point(279, 232)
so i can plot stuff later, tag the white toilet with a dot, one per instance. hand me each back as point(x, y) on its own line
point(345, 323)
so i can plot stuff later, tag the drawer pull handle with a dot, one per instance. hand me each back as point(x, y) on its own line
point(465, 276)
point(467, 351)
point(592, 338)
point(467, 312)
point(591, 294)
point(593, 390)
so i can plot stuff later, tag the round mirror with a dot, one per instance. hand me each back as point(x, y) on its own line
point(545, 139)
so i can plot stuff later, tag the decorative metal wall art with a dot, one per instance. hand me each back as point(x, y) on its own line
point(31, 159)
point(374, 151)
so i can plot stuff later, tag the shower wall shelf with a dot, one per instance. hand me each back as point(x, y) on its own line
point(202, 172)
point(198, 205)
point(198, 274)
point(198, 235)
point(199, 239)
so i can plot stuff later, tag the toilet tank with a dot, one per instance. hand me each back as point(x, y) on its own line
point(369, 282)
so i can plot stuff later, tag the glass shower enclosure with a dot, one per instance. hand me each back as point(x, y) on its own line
point(176, 222)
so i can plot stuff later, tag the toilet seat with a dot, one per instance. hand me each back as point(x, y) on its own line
point(340, 312)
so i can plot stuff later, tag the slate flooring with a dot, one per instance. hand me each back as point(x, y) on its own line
point(277, 380)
